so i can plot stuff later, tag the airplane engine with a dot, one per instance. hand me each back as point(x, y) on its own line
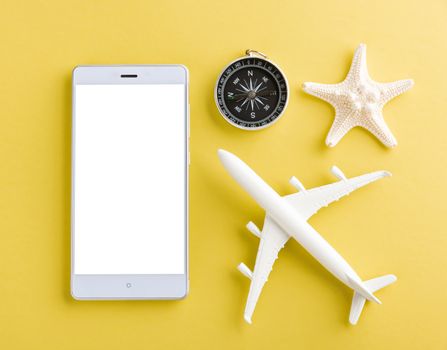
point(297, 184)
point(338, 173)
point(245, 270)
point(253, 229)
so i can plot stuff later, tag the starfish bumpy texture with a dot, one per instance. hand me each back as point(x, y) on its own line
point(358, 101)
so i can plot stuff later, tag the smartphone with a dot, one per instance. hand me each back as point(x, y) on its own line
point(129, 197)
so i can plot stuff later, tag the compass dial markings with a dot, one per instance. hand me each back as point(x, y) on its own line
point(258, 93)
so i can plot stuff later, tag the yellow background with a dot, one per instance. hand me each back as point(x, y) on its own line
point(394, 226)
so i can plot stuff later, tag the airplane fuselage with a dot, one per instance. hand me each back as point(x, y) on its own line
point(289, 219)
point(313, 242)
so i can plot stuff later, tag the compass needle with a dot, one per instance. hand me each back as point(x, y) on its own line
point(243, 87)
point(257, 87)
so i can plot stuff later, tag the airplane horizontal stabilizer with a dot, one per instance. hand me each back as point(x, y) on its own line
point(358, 300)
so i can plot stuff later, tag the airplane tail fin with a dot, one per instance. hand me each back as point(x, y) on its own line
point(358, 300)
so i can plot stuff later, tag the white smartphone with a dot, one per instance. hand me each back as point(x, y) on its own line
point(130, 160)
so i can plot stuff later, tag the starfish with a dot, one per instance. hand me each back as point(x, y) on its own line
point(358, 101)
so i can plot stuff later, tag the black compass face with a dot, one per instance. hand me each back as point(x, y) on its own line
point(251, 93)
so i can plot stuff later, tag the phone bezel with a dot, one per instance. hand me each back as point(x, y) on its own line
point(130, 287)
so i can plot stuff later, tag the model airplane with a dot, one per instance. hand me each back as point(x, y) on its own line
point(287, 217)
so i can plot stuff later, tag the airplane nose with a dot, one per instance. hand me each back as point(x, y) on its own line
point(221, 152)
point(223, 155)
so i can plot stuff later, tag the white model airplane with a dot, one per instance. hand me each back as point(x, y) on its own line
point(287, 217)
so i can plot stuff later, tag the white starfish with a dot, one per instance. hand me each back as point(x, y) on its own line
point(358, 101)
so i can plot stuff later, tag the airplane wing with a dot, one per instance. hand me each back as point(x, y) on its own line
point(308, 202)
point(272, 240)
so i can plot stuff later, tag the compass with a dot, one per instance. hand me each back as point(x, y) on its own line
point(252, 92)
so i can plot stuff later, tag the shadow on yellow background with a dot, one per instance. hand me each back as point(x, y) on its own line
point(393, 226)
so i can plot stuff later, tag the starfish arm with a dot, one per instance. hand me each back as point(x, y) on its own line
point(343, 122)
point(396, 88)
point(327, 92)
point(376, 125)
point(358, 70)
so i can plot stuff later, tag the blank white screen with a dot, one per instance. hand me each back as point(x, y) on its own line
point(129, 179)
